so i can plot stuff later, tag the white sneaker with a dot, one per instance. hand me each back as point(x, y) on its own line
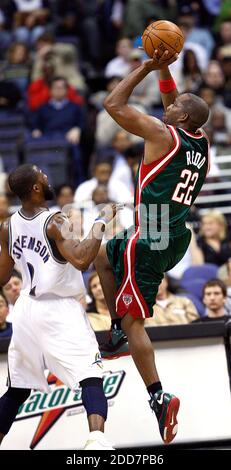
point(97, 441)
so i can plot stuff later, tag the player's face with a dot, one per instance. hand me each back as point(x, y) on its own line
point(66, 196)
point(12, 289)
point(214, 298)
point(103, 172)
point(3, 310)
point(211, 228)
point(174, 112)
point(96, 289)
point(48, 191)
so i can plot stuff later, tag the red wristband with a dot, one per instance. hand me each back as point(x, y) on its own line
point(166, 86)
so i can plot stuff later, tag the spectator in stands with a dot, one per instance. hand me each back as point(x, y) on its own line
point(65, 195)
point(5, 36)
point(146, 93)
point(213, 238)
point(4, 208)
point(16, 69)
point(60, 118)
point(97, 310)
point(191, 73)
point(194, 34)
point(91, 210)
point(11, 290)
point(214, 299)
point(97, 99)
point(215, 169)
point(102, 175)
point(225, 32)
point(82, 18)
point(225, 57)
point(171, 309)
point(197, 39)
point(39, 89)
point(218, 121)
point(30, 19)
point(208, 94)
point(106, 127)
point(138, 13)
point(121, 170)
point(61, 57)
point(120, 64)
point(214, 77)
point(68, 18)
point(5, 326)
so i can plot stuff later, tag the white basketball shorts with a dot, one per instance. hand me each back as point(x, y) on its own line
point(52, 333)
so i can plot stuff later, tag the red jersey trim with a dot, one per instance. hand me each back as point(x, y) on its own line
point(160, 164)
point(191, 134)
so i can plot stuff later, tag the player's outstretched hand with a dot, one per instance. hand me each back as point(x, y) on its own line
point(109, 211)
point(159, 62)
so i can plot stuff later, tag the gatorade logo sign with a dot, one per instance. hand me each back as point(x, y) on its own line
point(50, 406)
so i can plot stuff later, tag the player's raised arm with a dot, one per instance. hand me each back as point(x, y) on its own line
point(6, 262)
point(80, 253)
point(128, 117)
point(168, 89)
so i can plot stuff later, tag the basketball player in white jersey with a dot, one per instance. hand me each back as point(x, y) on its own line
point(51, 330)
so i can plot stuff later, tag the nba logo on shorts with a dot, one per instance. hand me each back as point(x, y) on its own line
point(127, 299)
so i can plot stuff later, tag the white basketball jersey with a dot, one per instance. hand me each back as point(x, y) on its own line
point(42, 273)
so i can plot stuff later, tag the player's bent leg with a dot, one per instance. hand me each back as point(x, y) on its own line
point(95, 404)
point(140, 348)
point(9, 405)
point(165, 405)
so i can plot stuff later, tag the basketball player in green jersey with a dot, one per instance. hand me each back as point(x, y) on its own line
point(170, 176)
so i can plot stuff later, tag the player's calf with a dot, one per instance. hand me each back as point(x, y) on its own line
point(9, 405)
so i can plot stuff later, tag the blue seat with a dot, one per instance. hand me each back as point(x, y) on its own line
point(205, 271)
point(194, 287)
point(12, 122)
point(12, 135)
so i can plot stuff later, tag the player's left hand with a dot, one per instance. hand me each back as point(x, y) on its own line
point(159, 62)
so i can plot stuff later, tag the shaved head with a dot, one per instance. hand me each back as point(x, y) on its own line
point(188, 111)
point(196, 108)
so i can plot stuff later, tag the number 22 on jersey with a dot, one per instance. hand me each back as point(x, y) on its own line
point(184, 189)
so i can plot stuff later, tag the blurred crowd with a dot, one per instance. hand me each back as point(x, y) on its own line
point(58, 61)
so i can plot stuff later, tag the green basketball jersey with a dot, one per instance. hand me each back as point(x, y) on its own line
point(166, 188)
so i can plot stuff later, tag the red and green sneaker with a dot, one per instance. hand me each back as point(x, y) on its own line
point(166, 407)
point(117, 345)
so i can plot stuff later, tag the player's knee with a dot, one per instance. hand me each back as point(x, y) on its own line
point(93, 397)
point(130, 324)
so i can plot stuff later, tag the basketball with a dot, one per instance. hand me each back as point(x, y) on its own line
point(162, 35)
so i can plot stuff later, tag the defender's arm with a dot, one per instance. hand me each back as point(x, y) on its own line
point(79, 253)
